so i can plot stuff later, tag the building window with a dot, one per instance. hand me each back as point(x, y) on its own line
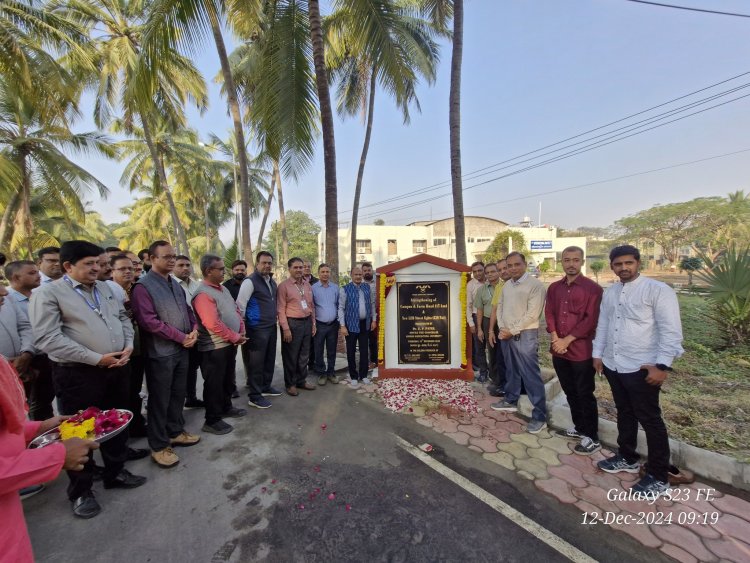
point(419, 246)
point(364, 247)
point(469, 239)
point(439, 241)
point(484, 239)
point(392, 247)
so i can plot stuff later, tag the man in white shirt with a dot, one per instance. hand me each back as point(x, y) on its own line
point(477, 281)
point(638, 336)
point(49, 264)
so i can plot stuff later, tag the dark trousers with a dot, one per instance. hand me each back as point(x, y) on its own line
point(638, 402)
point(577, 382)
point(259, 357)
point(40, 390)
point(80, 386)
point(192, 375)
point(361, 338)
point(499, 378)
point(474, 346)
point(135, 402)
point(166, 378)
point(521, 355)
point(326, 335)
point(217, 367)
point(486, 359)
point(373, 344)
point(295, 354)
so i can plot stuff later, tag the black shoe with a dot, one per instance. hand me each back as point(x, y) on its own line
point(28, 492)
point(137, 453)
point(219, 427)
point(86, 506)
point(234, 412)
point(271, 392)
point(125, 480)
point(194, 404)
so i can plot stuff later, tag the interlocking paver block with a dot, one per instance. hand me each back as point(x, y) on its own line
point(511, 426)
point(641, 533)
point(461, 438)
point(515, 449)
point(569, 475)
point(484, 421)
point(525, 475)
point(580, 462)
point(528, 440)
point(554, 443)
point(534, 466)
point(676, 553)
point(731, 525)
point(687, 515)
point(486, 443)
point(684, 539)
point(475, 449)
point(733, 505)
point(594, 495)
point(499, 434)
point(503, 459)
point(697, 485)
point(603, 480)
point(547, 455)
point(426, 421)
point(445, 425)
point(497, 415)
point(730, 549)
point(471, 429)
point(557, 488)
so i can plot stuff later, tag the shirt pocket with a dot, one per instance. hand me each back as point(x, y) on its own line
point(637, 311)
point(576, 302)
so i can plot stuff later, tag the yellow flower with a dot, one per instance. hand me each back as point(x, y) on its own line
point(75, 430)
point(381, 321)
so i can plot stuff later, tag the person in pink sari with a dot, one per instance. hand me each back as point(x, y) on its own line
point(21, 467)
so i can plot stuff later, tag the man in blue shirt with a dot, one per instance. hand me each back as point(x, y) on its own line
point(326, 297)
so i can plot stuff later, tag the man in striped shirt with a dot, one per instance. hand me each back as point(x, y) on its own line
point(326, 297)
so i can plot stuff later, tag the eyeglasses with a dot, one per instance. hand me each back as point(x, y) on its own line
point(167, 257)
point(136, 262)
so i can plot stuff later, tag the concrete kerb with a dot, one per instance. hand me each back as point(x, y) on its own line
point(708, 464)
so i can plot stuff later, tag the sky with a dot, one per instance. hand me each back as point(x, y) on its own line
point(536, 72)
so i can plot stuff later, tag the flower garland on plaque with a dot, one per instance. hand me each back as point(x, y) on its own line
point(381, 320)
point(462, 298)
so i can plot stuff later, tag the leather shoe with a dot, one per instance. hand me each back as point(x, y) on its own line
point(136, 453)
point(307, 386)
point(86, 506)
point(125, 480)
point(292, 391)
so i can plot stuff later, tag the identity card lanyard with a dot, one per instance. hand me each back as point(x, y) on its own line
point(96, 306)
point(303, 301)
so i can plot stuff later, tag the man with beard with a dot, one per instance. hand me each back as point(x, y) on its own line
point(369, 279)
point(183, 273)
point(105, 269)
point(239, 273)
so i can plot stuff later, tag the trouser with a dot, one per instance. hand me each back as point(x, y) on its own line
point(521, 354)
point(40, 391)
point(295, 354)
point(577, 382)
point(217, 368)
point(326, 335)
point(259, 357)
point(373, 345)
point(166, 378)
point(311, 357)
point(192, 374)
point(353, 339)
point(135, 402)
point(475, 346)
point(486, 367)
point(499, 378)
point(80, 386)
point(638, 402)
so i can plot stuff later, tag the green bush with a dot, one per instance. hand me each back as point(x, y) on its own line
point(691, 265)
point(597, 267)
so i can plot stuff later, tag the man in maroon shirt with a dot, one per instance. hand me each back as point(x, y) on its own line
point(572, 311)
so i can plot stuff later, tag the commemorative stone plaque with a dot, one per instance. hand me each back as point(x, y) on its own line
point(424, 335)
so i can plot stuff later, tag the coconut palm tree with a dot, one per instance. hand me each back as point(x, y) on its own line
point(407, 53)
point(125, 85)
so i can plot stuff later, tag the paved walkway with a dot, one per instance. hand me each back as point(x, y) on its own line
point(690, 527)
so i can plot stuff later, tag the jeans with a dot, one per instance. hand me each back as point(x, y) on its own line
point(217, 367)
point(577, 382)
point(80, 386)
point(521, 354)
point(638, 402)
point(361, 338)
point(327, 335)
point(295, 354)
point(259, 357)
point(166, 378)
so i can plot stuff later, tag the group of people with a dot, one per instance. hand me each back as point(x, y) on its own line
point(630, 332)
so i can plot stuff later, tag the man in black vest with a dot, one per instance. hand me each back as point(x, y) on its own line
point(257, 302)
point(168, 330)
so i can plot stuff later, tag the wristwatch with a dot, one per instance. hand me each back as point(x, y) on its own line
point(664, 367)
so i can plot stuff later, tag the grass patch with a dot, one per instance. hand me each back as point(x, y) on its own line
point(706, 401)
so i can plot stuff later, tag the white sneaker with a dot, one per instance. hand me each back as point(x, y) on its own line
point(354, 384)
point(366, 381)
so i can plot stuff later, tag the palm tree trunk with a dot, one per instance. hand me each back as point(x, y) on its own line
point(454, 121)
point(282, 214)
point(361, 171)
point(182, 245)
point(329, 143)
point(266, 212)
point(239, 135)
point(6, 221)
point(27, 223)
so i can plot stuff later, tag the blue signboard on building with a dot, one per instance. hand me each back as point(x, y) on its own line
point(541, 245)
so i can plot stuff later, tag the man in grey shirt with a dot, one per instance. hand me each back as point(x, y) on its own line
point(85, 331)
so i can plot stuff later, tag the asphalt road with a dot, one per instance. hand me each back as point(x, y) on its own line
point(262, 493)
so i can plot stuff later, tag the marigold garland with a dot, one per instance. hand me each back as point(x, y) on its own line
point(462, 297)
point(381, 320)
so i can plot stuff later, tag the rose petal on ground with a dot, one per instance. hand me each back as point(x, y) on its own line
point(331, 496)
